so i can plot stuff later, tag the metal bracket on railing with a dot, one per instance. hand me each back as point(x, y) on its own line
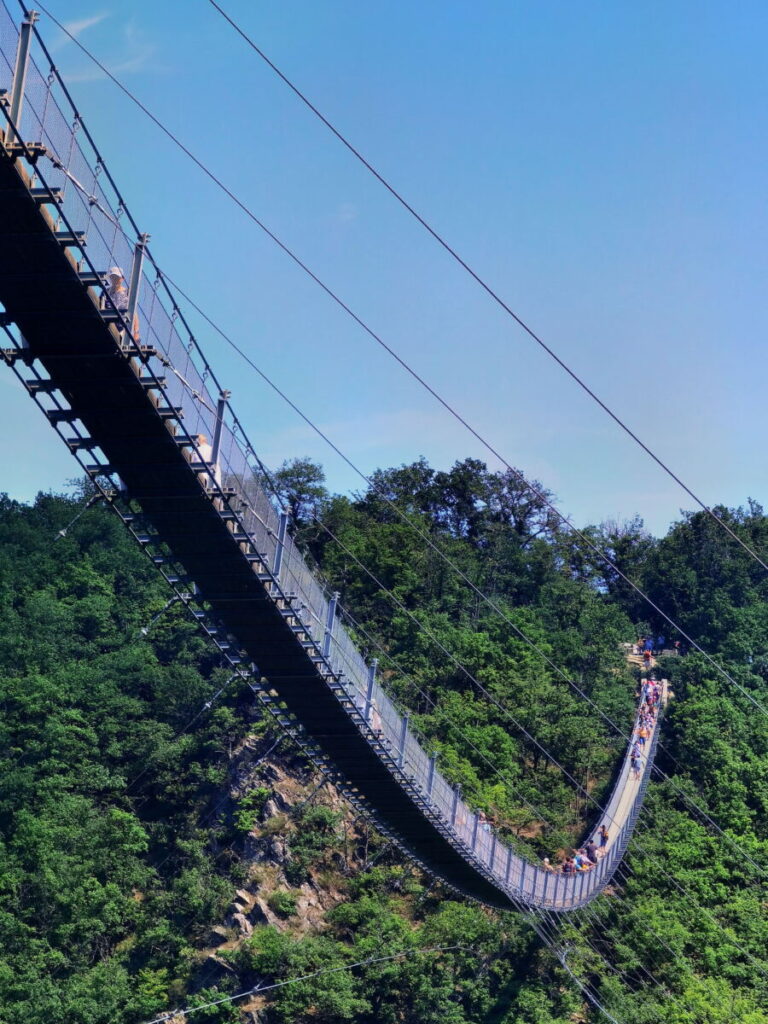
point(281, 531)
point(329, 624)
point(431, 776)
point(133, 289)
point(455, 807)
point(221, 408)
point(20, 75)
point(403, 737)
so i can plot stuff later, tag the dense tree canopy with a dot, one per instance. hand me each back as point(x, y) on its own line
point(121, 845)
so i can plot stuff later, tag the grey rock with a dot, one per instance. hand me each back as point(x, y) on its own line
point(270, 810)
point(277, 850)
point(241, 922)
point(257, 915)
point(218, 934)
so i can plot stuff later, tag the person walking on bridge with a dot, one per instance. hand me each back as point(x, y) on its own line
point(603, 834)
point(117, 293)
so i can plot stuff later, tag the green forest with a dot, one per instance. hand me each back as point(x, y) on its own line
point(162, 846)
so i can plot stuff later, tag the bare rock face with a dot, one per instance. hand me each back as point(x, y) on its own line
point(253, 849)
point(241, 904)
point(265, 914)
point(276, 850)
point(215, 966)
point(244, 926)
point(270, 809)
point(218, 934)
point(257, 914)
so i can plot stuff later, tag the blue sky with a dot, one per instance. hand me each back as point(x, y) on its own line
point(601, 165)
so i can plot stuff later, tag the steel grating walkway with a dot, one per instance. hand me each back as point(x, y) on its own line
point(131, 410)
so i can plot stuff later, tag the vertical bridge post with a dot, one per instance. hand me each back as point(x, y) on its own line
point(282, 527)
point(431, 776)
point(329, 623)
point(20, 73)
point(456, 798)
point(221, 406)
point(139, 251)
point(403, 737)
point(371, 683)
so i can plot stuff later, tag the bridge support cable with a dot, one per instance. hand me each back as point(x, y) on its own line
point(456, 569)
point(304, 267)
point(453, 253)
point(625, 737)
point(430, 542)
point(548, 935)
point(107, 391)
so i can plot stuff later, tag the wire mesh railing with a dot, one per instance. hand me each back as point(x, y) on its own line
point(87, 201)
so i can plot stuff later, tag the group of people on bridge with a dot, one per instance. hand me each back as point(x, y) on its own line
point(650, 698)
point(586, 858)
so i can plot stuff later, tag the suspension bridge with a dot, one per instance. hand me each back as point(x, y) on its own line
point(133, 397)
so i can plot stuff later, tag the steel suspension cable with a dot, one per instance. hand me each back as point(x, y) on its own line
point(383, 589)
point(594, 923)
point(368, 330)
point(539, 746)
point(548, 936)
point(188, 1011)
point(485, 286)
point(450, 563)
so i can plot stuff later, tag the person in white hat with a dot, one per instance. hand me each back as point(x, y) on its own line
point(116, 290)
point(117, 293)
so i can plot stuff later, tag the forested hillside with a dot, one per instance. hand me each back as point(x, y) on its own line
point(159, 853)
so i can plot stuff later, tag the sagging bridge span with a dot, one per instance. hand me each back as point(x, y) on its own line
point(132, 410)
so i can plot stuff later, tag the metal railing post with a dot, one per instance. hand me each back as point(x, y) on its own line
point(371, 683)
point(20, 74)
point(281, 530)
point(603, 867)
point(475, 825)
point(329, 622)
point(509, 868)
point(557, 886)
point(137, 267)
point(221, 406)
point(546, 886)
point(403, 738)
point(431, 776)
point(456, 798)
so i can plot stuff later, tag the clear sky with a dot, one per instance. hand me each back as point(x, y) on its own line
point(602, 165)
